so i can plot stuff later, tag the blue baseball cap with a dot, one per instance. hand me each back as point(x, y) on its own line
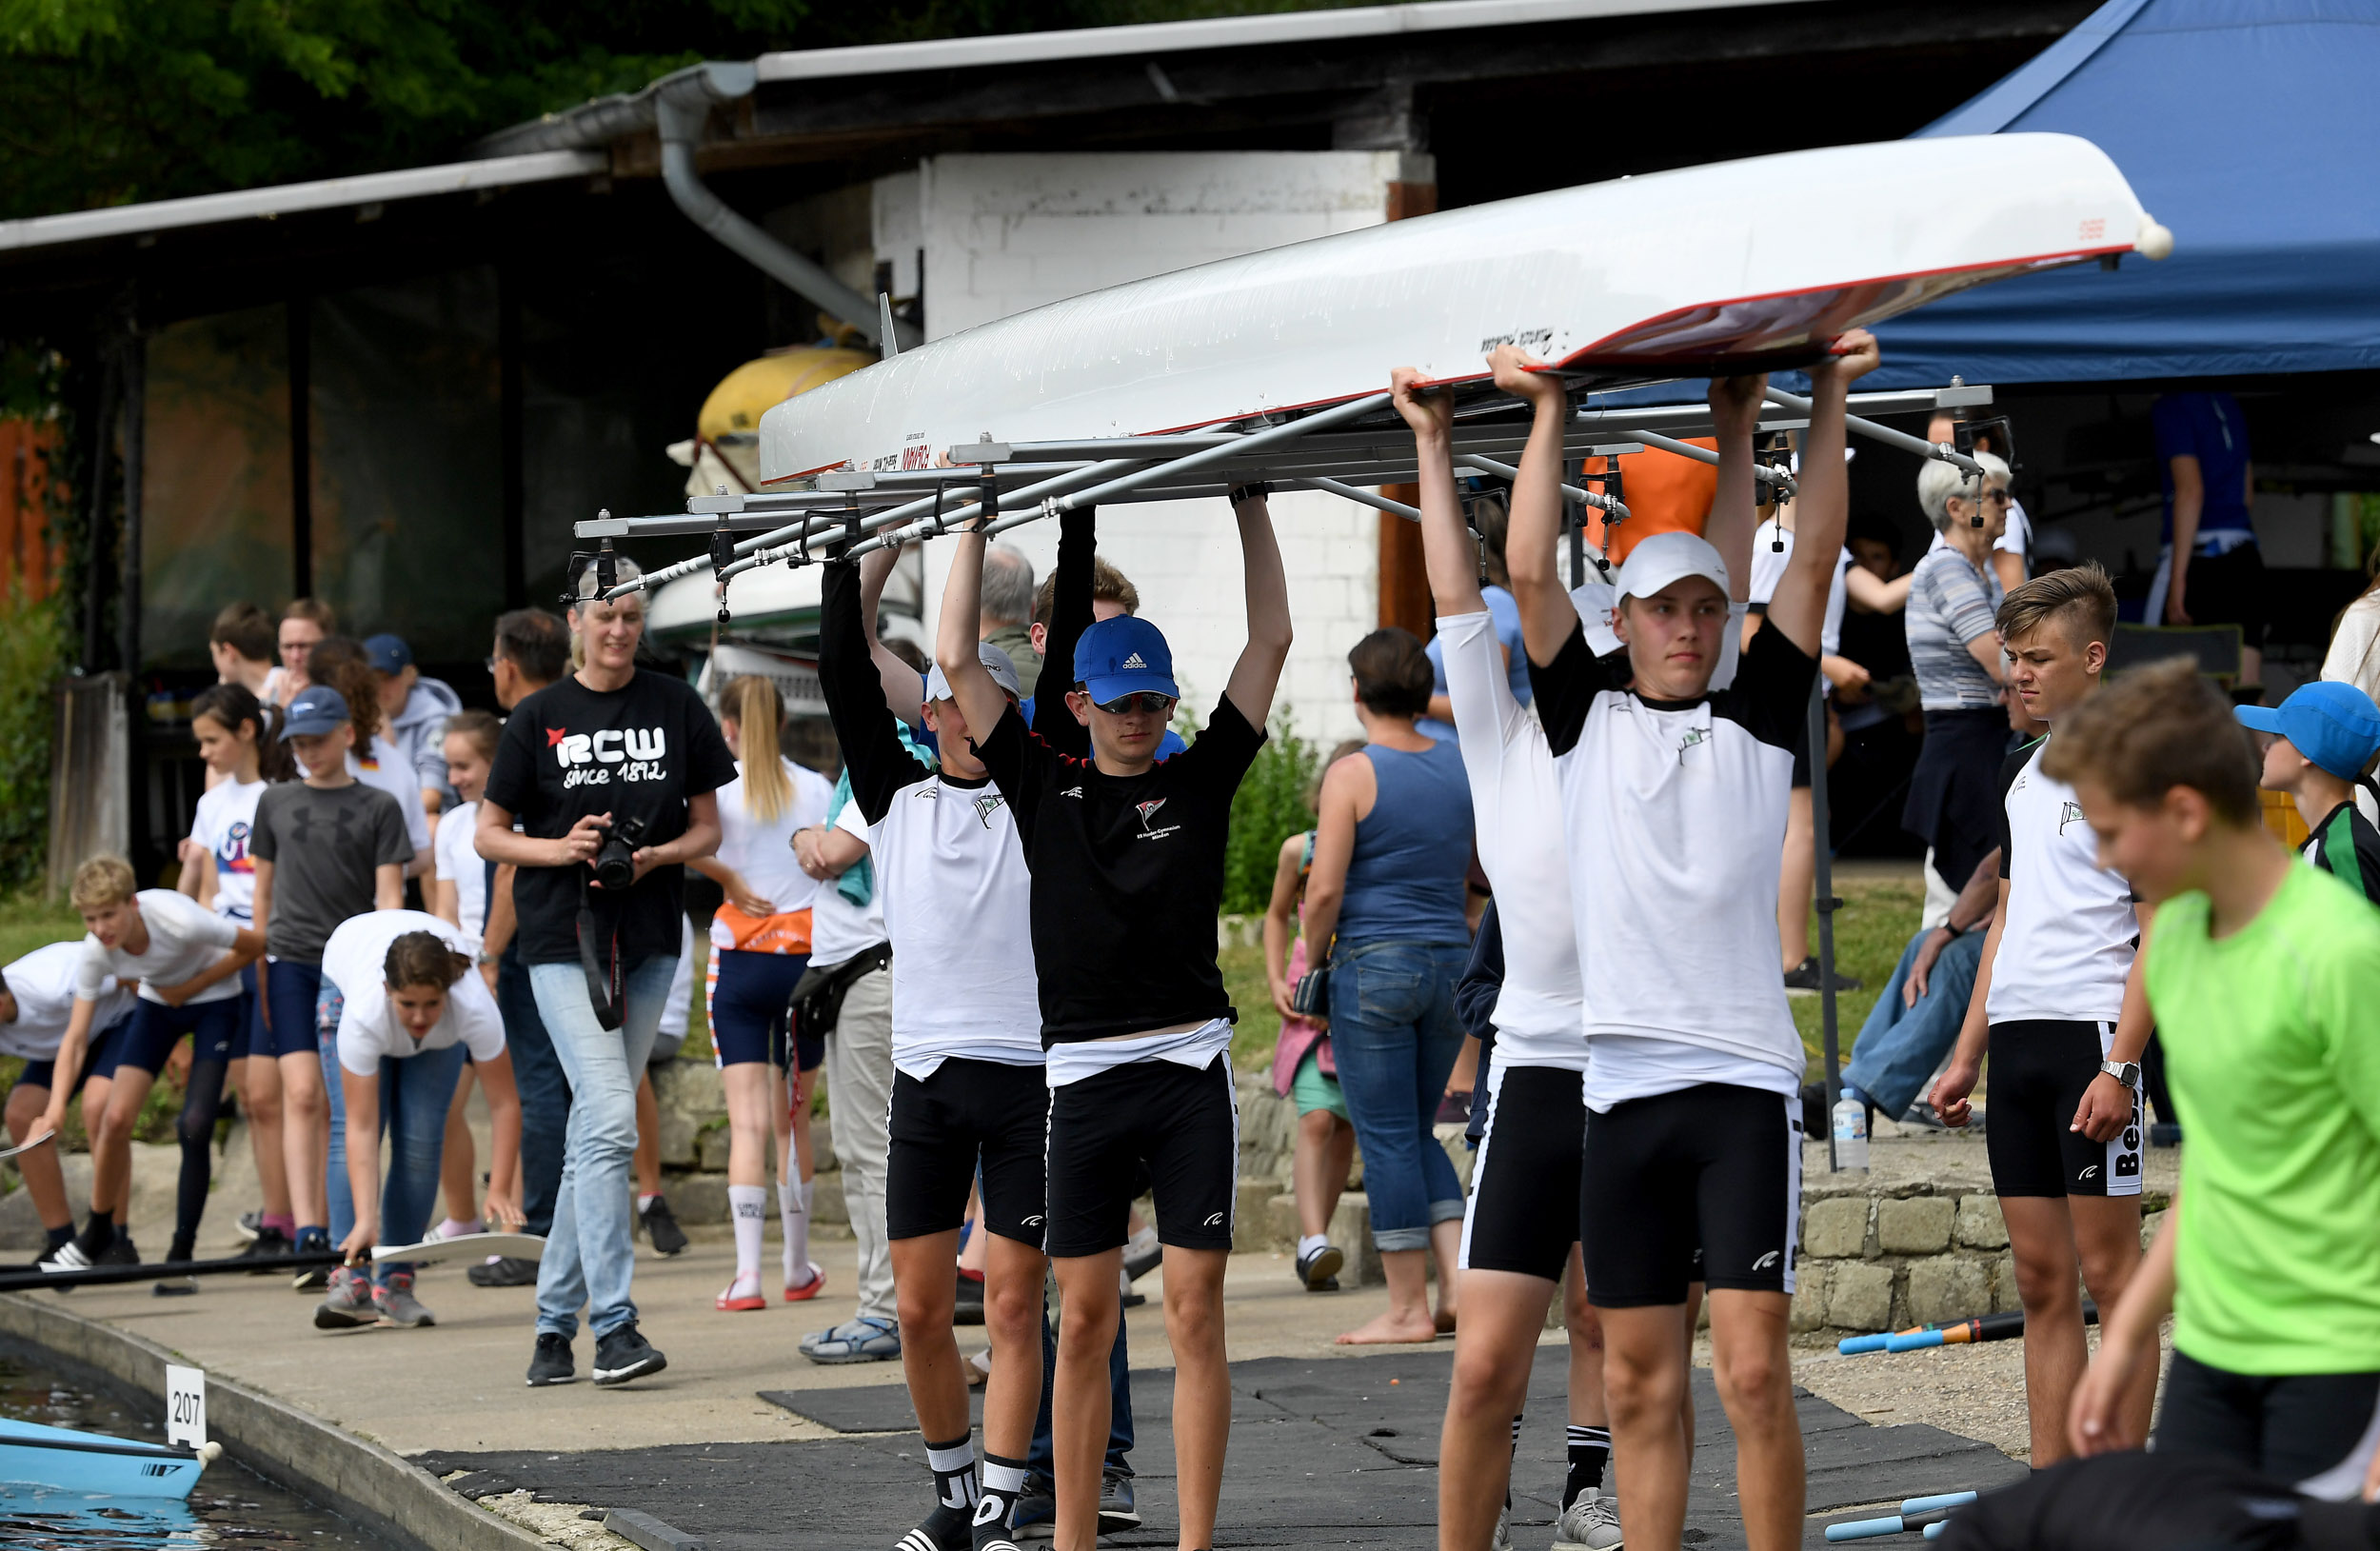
point(1123, 656)
point(389, 654)
point(317, 710)
point(2333, 724)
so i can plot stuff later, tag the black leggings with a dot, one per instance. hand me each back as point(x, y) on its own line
point(201, 1103)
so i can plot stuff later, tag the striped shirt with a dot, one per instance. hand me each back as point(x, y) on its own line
point(1951, 602)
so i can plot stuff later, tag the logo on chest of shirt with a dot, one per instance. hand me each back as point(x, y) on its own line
point(1148, 814)
point(987, 805)
point(597, 758)
point(231, 856)
point(1692, 737)
point(1075, 792)
point(2070, 813)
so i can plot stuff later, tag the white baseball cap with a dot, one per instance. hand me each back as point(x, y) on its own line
point(1665, 558)
point(994, 660)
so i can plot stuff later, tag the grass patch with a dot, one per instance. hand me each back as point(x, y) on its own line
point(1876, 924)
point(1259, 1029)
point(27, 922)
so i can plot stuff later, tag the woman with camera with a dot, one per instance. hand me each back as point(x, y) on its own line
point(611, 772)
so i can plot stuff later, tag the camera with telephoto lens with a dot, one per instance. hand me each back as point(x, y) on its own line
point(615, 858)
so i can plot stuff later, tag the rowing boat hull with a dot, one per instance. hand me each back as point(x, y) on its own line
point(1738, 266)
point(140, 1470)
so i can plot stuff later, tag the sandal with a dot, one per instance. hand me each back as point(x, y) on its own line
point(866, 1339)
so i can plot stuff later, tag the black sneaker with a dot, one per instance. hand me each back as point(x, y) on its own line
point(550, 1363)
point(1804, 977)
point(266, 1244)
point(505, 1271)
point(315, 1278)
point(1319, 1271)
point(624, 1355)
point(176, 1288)
point(968, 1306)
point(660, 1227)
point(1117, 1514)
point(119, 1251)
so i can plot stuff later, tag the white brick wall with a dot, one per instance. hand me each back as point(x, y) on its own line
point(1002, 234)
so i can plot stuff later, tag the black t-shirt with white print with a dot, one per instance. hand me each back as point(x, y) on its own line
point(567, 751)
point(1673, 815)
point(1127, 876)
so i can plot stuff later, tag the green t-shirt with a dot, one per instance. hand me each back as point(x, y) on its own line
point(2271, 1040)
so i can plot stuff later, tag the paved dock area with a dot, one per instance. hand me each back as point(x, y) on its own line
point(1330, 1445)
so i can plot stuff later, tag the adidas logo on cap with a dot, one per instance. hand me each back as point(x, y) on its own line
point(1133, 661)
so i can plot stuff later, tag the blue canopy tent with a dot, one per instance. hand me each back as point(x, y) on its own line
point(2250, 128)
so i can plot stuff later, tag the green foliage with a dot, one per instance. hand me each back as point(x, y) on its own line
point(106, 102)
point(33, 654)
point(1876, 922)
point(1269, 807)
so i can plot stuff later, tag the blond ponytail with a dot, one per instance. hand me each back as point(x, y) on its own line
point(753, 702)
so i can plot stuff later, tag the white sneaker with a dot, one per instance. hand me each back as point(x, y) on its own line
point(1590, 1523)
point(1503, 1540)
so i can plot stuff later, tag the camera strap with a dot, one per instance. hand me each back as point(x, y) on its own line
point(601, 991)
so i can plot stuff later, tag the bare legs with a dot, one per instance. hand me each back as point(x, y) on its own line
point(1797, 882)
point(260, 1100)
point(1408, 1317)
point(1645, 1378)
point(305, 1136)
point(45, 1180)
point(1326, 1150)
point(1505, 1312)
point(2053, 1238)
point(648, 1157)
point(458, 1159)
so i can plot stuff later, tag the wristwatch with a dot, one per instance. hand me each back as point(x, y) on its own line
point(2126, 1072)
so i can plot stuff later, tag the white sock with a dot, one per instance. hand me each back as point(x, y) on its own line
point(793, 1212)
point(748, 1203)
point(1311, 1243)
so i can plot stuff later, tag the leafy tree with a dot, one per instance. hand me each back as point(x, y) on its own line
point(106, 102)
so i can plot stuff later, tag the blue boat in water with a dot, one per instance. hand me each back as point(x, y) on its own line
point(93, 1464)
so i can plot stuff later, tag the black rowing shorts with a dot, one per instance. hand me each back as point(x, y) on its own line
point(968, 1113)
point(1176, 1126)
point(2315, 1430)
point(1525, 1176)
point(1713, 1166)
point(2039, 1070)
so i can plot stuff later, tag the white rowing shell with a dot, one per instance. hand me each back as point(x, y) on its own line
point(1646, 278)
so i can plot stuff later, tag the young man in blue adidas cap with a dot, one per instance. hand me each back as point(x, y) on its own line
point(1127, 859)
point(2323, 737)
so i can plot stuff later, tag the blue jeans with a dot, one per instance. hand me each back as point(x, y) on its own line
point(544, 1092)
point(414, 1094)
point(1040, 1457)
point(590, 1252)
point(1899, 1047)
point(1395, 1035)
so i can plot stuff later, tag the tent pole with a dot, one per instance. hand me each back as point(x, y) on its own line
point(1828, 905)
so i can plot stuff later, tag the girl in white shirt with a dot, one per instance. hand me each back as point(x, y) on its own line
point(236, 738)
point(458, 897)
point(760, 946)
point(408, 1011)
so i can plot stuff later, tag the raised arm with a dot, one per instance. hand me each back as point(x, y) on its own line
point(1257, 675)
point(1734, 505)
point(979, 697)
point(857, 686)
point(1533, 540)
point(2190, 503)
point(1071, 612)
point(903, 687)
point(1447, 551)
point(1822, 501)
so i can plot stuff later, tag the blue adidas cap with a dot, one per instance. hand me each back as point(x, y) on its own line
point(1123, 656)
point(317, 710)
point(2335, 725)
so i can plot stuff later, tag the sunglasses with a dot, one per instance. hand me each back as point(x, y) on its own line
point(1148, 700)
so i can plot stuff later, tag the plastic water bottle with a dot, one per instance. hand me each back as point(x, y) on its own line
point(1849, 1120)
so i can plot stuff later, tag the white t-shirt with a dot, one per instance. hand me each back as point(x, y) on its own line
point(958, 901)
point(459, 864)
point(385, 766)
point(1517, 807)
point(44, 982)
point(1674, 818)
point(227, 816)
point(184, 938)
point(838, 927)
point(762, 853)
point(1768, 568)
point(355, 959)
point(2067, 942)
